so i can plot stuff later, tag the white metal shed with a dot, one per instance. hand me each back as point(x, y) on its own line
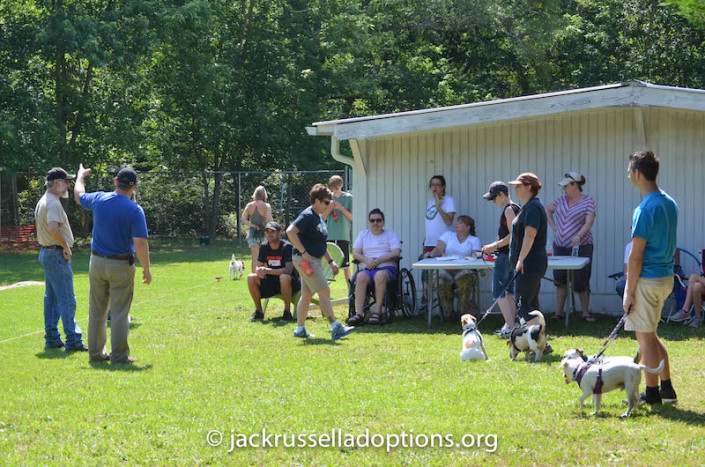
point(590, 130)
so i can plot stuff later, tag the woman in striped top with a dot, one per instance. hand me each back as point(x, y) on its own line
point(571, 216)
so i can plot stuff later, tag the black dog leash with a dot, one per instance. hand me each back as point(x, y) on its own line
point(612, 336)
point(516, 273)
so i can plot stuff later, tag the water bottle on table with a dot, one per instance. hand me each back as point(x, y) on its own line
point(574, 251)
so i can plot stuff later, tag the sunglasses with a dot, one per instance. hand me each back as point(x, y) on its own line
point(326, 202)
point(376, 220)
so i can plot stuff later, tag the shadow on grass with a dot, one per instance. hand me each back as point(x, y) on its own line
point(53, 354)
point(606, 324)
point(685, 416)
point(127, 367)
point(319, 341)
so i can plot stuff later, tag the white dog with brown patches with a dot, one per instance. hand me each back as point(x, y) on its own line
point(473, 344)
point(237, 268)
point(605, 375)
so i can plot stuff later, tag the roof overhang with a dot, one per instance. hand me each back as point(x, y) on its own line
point(629, 94)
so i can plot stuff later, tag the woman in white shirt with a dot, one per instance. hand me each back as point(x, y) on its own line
point(462, 242)
point(439, 215)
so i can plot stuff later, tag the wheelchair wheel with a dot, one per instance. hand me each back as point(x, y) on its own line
point(407, 293)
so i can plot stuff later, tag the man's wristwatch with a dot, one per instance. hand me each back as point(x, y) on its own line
point(330, 260)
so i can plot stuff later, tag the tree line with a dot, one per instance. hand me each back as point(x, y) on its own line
point(224, 85)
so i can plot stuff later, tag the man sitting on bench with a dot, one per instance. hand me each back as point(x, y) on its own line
point(275, 272)
point(376, 249)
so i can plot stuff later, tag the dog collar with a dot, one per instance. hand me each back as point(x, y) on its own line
point(469, 330)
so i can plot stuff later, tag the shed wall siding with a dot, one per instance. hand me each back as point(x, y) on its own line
point(595, 143)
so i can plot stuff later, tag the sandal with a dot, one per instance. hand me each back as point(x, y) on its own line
point(588, 318)
point(356, 320)
point(557, 317)
point(376, 318)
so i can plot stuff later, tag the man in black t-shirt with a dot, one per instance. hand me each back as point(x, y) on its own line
point(275, 272)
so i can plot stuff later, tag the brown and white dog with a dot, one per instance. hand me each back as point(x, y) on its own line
point(604, 375)
point(528, 339)
point(473, 344)
point(237, 268)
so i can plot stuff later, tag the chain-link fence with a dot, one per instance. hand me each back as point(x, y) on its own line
point(177, 204)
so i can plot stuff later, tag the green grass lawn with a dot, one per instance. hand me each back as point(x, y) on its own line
point(203, 367)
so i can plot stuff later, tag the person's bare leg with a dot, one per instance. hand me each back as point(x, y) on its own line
point(698, 290)
point(652, 352)
point(254, 251)
point(361, 285)
point(584, 302)
point(381, 280)
point(302, 307)
point(508, 312)
point(348, 276)
point(326, 305)
point(286, 290)
point(253, 284)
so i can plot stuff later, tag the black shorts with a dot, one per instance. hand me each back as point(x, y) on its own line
point(270, 286)
point(345, 248)
point(581, 277)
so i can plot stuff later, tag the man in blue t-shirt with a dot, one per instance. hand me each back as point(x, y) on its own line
point(119, 232)
point(650, 266)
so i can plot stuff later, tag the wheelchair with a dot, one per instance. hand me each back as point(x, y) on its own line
point(399, 299)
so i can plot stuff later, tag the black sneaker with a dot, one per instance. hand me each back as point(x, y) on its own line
point(651, 401)
point(668, 396)
point(286, 316)
point(257, 316)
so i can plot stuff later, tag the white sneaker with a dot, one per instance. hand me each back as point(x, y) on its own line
point(504, 331)
point(680, 316)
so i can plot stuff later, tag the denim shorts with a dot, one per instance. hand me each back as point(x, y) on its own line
point(502, 274)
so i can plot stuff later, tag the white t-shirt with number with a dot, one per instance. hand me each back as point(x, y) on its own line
point(435, 225)
point(455, 248)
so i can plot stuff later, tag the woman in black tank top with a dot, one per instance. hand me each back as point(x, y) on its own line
point(498, 193)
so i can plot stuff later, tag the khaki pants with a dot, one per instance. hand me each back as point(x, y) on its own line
point(112, 286)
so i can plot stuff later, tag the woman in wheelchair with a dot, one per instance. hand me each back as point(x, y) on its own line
point(462, 242)
point(376, 249)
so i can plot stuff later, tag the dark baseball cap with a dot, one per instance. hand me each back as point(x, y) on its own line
point(57, 173)
point(127, 176)
point(274, 225)
point(495, 189)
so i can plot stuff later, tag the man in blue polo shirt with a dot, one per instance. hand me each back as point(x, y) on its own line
point(119, 232)
point(650, 266)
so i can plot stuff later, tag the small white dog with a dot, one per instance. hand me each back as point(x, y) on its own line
point(237, 268)
point(528, 339)
point(604, 375)
point(473, 344)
